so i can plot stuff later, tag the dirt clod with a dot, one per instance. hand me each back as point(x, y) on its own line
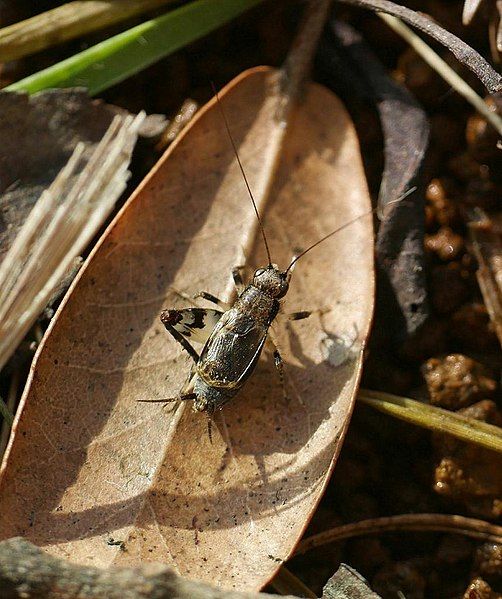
point(471, 326)
point(445, 244)
point(488, 561)
point(456, 381)
point(468, 474)
point(399, 579)
point(480, 589)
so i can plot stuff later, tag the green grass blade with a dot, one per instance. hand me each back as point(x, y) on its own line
point(127, 53)
point(435, 419)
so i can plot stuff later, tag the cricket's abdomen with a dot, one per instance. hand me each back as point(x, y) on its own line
point(211, 398)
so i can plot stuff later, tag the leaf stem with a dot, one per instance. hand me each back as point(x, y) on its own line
point(469, 527)
point(285, 583)
point(7, 415)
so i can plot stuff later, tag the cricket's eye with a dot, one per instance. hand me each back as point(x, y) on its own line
point(259, 272)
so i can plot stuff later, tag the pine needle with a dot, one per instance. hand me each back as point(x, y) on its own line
point(435, 419)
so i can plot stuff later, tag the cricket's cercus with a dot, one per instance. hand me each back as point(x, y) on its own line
point(234, 335)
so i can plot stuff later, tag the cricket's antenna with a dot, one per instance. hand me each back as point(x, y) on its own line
point(350, 222)
point(227, 127)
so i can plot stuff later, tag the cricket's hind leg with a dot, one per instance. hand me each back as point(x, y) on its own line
point(195, 324)
point(213, 299)
point(170, 319)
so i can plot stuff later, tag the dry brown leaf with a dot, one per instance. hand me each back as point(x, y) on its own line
point(88, 464)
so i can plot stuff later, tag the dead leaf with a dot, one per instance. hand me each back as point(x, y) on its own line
point(88, 463)
point(403, 307)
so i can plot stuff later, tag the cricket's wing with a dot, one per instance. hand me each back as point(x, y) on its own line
point(195, 324)
point(232, 350)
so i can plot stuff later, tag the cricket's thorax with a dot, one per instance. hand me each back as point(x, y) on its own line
point(257, 305)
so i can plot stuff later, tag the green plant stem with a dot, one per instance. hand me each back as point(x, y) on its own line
point(127, 53)
point(6, 414)
point(435, 419)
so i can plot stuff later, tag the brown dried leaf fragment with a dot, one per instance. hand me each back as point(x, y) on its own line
point(486, 236)
point(88, 462)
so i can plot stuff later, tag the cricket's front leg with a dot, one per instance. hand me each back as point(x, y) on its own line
point(238, 280)
point(279, 364)
point(299, 315)
point(205, 295)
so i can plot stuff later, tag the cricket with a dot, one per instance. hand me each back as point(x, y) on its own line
point(234, 335)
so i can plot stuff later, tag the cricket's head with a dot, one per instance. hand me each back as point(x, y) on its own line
point(272, 281)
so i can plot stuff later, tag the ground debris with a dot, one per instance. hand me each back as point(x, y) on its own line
point(346, 583)
point(445, 244)
point(470, 475)
point(480, 589)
